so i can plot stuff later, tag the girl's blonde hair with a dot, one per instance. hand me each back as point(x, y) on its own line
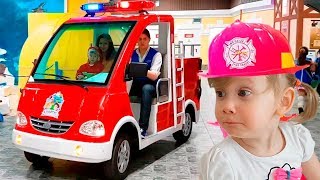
point(312, 97)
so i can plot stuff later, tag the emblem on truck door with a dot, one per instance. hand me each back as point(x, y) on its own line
point(53, 105)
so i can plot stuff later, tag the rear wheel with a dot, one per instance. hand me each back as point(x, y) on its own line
point(35, 158)
point(117, 167)
point(184, 134)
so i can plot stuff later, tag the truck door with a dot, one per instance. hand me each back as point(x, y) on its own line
point(161, 115)
point(162, 35)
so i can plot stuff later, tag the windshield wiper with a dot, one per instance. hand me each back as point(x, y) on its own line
point(65, 79)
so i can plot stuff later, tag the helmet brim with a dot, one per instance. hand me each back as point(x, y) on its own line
point(259, 73)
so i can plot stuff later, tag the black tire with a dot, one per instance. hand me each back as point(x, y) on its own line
point(117, 167)
point(35, 158)
point(183, 135)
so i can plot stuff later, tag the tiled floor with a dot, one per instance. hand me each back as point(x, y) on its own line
point(160, 161)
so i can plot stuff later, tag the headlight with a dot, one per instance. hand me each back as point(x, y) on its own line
point(92, 128)
point(21, 119)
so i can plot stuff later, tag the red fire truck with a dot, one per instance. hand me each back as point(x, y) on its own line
point(95, 120)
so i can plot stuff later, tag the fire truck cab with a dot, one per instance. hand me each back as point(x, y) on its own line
point(94, 119)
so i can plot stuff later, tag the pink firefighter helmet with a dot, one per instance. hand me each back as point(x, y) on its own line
point(248, 49)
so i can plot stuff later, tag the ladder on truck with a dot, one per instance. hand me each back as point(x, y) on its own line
point(178, 83)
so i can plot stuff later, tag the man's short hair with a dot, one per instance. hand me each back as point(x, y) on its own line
point(146, 32)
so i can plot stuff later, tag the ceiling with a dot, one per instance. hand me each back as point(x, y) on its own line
point(315, 4)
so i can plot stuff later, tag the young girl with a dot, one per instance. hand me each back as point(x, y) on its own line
point(93, 66)
point(252, 71)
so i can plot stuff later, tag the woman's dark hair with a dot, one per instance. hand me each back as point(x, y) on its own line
point(110, 52)
point(306, 50)
point(318, 52)
point(302, 59)
point(146, 32)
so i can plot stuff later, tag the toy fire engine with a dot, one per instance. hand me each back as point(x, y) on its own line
point(95, 120)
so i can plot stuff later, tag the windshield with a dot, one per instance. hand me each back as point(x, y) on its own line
point(83, 53)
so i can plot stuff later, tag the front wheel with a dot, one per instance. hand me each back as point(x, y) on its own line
point(184, 134)
point(117, 167)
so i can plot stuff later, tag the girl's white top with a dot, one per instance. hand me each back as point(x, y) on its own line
point(229, 161)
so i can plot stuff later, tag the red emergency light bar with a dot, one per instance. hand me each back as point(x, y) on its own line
point(121, 6)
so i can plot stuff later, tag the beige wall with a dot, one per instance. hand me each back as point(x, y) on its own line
point(293, 35)
point(206, 23)
point(266, 17)
point(205, 36)
point(293, 32)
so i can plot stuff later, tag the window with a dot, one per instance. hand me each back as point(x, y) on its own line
point(71, 48)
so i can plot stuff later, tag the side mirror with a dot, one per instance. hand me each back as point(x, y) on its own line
point(136, 70)
point(34, 62)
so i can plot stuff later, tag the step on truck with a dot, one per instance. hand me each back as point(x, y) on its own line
point(95, 120)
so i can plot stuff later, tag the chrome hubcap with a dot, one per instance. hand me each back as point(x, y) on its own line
point(187, 126)
point(123, 156)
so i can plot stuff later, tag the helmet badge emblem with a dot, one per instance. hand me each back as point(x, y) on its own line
point(239, 53)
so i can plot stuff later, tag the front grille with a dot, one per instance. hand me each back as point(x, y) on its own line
point(49, 126)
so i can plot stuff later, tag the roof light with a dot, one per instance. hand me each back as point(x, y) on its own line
point(93, 7)
point(124, 4)
point(120, 6)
